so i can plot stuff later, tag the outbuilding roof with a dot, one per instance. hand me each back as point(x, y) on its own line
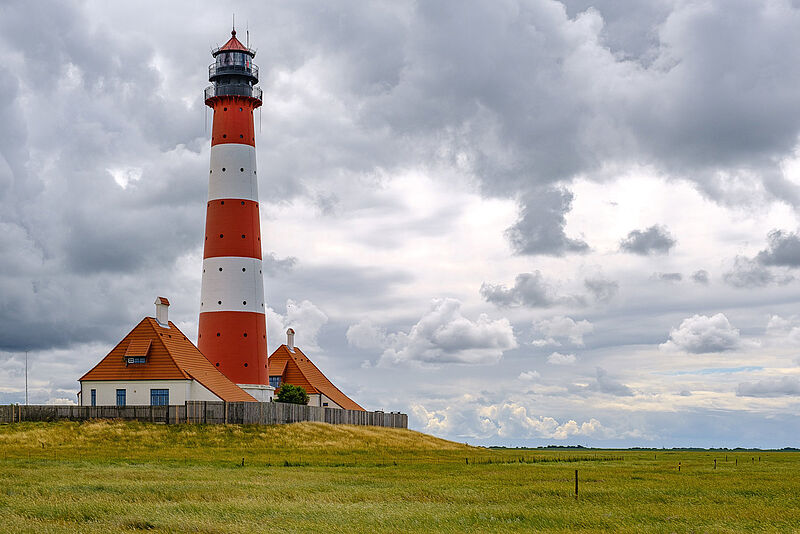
point(295, 368)
point(169, 356)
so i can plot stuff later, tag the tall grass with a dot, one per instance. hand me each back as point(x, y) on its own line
point(127, 477)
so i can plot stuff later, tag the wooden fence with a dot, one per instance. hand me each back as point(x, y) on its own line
point(247, 413)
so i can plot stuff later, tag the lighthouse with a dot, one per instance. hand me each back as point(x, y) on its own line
point(232, 332)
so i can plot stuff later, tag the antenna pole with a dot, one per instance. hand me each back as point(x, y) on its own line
point(26, 378)
point(233, 25)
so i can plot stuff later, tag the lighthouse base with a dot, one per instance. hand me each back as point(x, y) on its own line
point(260, 392)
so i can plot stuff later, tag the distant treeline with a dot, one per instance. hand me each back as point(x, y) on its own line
point(581, 447)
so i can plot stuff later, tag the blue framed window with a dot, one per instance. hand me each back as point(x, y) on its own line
point(275, 381)
point(135, 359)
point(159, 397)
point(120, 397)
point(94, 397)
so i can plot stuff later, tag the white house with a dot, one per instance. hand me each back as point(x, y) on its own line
point(156, 364)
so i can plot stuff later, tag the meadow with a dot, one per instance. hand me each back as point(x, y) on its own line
point(103, 476)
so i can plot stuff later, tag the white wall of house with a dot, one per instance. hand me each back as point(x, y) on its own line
point(260, 392)
point(137, 392)
point(319, 399)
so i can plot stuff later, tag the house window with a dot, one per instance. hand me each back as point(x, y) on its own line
point(120, 397)
point(324, 403)
point(159, 397)
point(94, 397)
point(136, 359)
point(275, 381)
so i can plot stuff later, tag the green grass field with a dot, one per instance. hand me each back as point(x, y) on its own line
point(310, 477)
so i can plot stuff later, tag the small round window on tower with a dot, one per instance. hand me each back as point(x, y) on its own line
point(245, 365)
point(217, 364)
point(220, 269)
point(245, 334)
point(224, 136)
point(224, 109)
point(223, 169)
point(244, 302)
point(242, 236)
point(243, 269)
point(221, 235)
point(219, 302)
point(217, 334)
point(241, 169)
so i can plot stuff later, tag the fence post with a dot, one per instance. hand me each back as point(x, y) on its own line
point(576, 483)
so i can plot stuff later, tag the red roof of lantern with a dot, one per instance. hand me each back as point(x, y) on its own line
point(233, 44)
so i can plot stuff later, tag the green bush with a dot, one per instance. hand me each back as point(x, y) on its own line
point(292, 394)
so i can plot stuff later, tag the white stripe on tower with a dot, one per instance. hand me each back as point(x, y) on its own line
point(233, 172)
point(232, 284)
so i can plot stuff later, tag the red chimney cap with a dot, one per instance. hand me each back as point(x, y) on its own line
point(162, 300)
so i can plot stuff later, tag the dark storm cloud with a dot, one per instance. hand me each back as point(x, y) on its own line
point(653, 240)
point(601, 289)
point(770, 387)
point(668, 277)
point(540, 228)
point(606, 384)
point(529, 289)
point(82, 102)
point(783, 249)
point(602, 383)
point(275, 266)
point(700, 277)
point(750, 273)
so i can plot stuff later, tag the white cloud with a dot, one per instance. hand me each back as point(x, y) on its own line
point(563, 328)
point(784, 330)
point(700, 334)
point(442, 335)
point(512, 419)
point(468, 417)
point(366, 335)
point(557, 358)
point(529, 375)
point(306, 320)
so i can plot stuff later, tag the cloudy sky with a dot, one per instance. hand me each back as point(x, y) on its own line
point(521, 222)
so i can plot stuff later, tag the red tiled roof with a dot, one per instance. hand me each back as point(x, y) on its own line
point(295, 368)
point(171, 356)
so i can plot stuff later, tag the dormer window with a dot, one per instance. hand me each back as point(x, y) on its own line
point(136, 354)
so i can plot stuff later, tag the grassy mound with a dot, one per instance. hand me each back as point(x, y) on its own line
point(308, 443)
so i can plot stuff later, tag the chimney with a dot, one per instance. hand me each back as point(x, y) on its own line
point(290, 340)
point(162, 311)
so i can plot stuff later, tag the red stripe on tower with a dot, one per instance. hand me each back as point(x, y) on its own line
point(232, 332)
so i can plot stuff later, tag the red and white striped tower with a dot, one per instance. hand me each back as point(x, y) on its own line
point(233, 327)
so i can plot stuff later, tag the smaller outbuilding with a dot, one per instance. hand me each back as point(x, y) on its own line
point(156, 364)
point(289, 365)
